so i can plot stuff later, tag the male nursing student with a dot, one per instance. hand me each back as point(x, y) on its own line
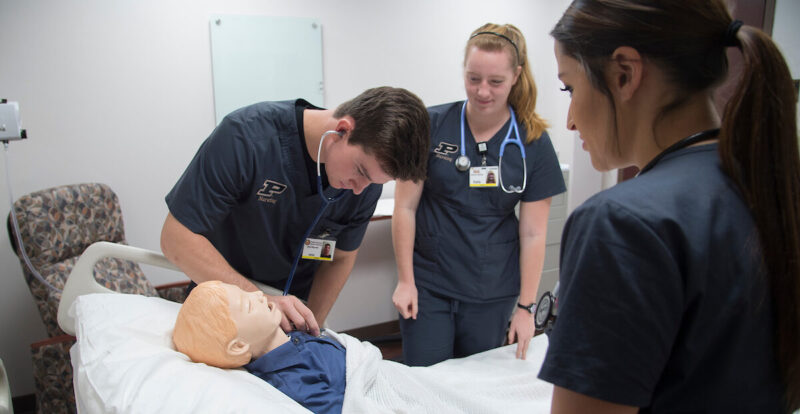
point(240, 211)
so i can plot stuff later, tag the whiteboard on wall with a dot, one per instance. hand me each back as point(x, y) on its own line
point(263, 58)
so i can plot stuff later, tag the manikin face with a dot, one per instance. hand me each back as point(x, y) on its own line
point(349, 168)
point(589, 113)
point(488, 78)
point(257, 320)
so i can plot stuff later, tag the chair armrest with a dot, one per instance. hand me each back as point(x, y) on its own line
point(81, 280)
point(53, 340)
point(52, 375)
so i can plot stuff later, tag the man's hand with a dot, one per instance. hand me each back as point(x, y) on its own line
point(405, 299)
point(296, 315)
point(521, 331)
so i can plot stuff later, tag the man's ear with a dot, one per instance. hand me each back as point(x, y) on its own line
point(625, 72)
point(236, 348)
point(345, 124)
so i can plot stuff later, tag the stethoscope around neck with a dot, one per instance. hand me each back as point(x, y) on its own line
point(685, 142)
point(326, 201)
point(463, 163)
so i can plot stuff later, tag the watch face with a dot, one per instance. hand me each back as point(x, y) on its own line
point(543, 310)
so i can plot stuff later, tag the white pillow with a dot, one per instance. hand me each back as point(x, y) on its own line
point(124, 362)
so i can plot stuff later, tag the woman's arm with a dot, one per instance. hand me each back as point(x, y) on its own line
point(406, 200)
point(532, 235)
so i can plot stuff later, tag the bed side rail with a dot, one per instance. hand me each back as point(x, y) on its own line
point(81, 280)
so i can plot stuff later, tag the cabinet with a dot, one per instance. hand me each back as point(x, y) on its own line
point(555, 226)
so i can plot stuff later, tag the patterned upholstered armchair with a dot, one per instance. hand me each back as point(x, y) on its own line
point(56, 225)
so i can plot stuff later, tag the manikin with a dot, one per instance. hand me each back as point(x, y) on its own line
point(222, 325)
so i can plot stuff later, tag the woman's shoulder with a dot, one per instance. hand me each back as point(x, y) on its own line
point(445, 107)
point(439, 113)
point(688, 189)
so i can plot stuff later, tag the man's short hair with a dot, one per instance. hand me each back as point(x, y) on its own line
point(391, 124)
point(204, 327)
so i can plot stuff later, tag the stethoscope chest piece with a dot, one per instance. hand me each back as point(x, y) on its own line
point(462, 163)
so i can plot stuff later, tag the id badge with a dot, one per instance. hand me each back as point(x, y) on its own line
point(483, 176)
point(319, 249)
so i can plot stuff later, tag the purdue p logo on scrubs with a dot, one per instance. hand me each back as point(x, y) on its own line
point(444, 149)
point(269, 190)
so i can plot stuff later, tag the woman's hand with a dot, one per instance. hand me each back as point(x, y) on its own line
point(521, 331)
point(405, 299)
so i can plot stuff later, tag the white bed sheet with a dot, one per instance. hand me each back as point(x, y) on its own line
point(124, 362)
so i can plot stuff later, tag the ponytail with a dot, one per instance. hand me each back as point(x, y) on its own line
point(523, 99)
point(759, 150)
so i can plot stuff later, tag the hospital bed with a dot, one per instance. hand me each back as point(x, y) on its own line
point(124, 362)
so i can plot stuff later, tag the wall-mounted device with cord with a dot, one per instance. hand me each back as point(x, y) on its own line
point(10, 126)
point(10, 131)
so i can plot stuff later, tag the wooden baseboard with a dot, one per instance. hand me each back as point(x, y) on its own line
point(381, 332)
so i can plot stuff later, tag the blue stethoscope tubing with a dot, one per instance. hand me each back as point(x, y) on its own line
point(507, 140)
point(326, 201)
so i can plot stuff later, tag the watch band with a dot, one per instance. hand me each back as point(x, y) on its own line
point(530, 308)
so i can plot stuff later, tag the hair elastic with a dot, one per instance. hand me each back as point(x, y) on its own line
point(730, 33)
point(500, 35)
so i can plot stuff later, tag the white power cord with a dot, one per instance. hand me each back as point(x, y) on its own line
point(16, 226)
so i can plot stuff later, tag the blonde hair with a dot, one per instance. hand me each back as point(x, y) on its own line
point(523, 94)
point(204, 327)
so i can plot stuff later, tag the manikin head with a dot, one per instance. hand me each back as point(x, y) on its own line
point(221, 325)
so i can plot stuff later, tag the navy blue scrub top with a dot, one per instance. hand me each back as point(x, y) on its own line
point(467, 239)
point(251, 191)
point(310, 370)
point(662, 302)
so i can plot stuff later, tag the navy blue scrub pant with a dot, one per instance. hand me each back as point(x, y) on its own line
point(448, 328)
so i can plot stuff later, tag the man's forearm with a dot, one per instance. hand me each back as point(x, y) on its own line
point(328, 282)
point(197, 257)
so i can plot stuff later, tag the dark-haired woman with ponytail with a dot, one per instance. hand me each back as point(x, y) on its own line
point(680, 288)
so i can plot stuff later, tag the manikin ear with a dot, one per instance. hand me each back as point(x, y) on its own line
point(625, 72)
point(236, 348)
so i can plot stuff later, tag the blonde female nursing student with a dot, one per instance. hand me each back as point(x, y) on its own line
point(680, 288)
point(465, 262)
